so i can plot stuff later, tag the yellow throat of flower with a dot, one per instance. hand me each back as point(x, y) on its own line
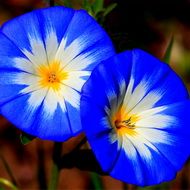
point(51, 75)
point(124, 123)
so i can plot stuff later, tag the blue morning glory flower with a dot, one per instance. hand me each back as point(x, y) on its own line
point(135, 112)
point(45, 58)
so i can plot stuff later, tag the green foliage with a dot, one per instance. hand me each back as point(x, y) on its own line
point(163, 186)
point(6, 183)
point(86, 4)
point(108, 9)
point(96, 181)
point(167, 55)
point(56, 157)
point(9, 172)
point(26, 138)
point(66, 3)
point(96, 9)
point(98, 6)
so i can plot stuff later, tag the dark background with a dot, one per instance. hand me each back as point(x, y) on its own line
point(146, 24)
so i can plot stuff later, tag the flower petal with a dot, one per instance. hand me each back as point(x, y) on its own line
point(84, 46)
point(97, 137)
point(69, 39)
point(153, 149)
point(29, 40)
point(171, 133)
point(103, 86)
point(155, 76)
point(76, 79)
point(141, 170)
point(10, 62)
point(36, 119)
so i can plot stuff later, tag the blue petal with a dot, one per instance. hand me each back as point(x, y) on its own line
point(26, 36)
point(102, 91)
point(177, 151)
point(74, 118)
point(35, 121)
point(107, 79)
point(50, 21)
point(70, 24)
point(43, 21)
point(19, 29)
point(87, 26)
point(102, 86)
point(139, 171)
point(93, 42)
point(104, 83)
point(7, 54)
point(158, 76)
point(8, 69)
point(91, 36)
point(95, 119)
point(17, 110)
point(9, 90)
point(51, 127)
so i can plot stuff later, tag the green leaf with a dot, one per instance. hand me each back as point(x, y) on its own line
point(8, 169)
point(66, 3)
point(109, 9)
point(162, 186)
point(98, 6)
point(86, 4)
point(26, 138)
point(147, 188)
point(96, 181)
point(167, 55)
point(56, 157)
point(7, 183)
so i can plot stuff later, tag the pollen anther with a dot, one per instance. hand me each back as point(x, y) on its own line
point(52, 78)
point(125, 123)
point(51, 75)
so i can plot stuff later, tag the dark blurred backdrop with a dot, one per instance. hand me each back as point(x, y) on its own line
point(145, 24)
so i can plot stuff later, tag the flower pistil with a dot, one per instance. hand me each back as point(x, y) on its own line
point(51, 75)
point(124, 123)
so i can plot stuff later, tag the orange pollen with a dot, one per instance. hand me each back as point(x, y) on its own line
point(125, 123)
point(52, 77)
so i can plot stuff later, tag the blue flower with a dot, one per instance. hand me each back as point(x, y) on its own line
point(135, 112)
point(45, 58)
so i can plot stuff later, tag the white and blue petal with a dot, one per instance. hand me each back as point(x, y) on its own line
point(150, 75)
point(140, 114)
point(45, 58)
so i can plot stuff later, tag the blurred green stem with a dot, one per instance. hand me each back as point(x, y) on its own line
point(168, 52)
point(55, 167)
point(7, 183)
point(8, 169)
point(96, 181)
point(41, 167)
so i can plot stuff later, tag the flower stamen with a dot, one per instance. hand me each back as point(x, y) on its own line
point(125, 123)
point(52, 75)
